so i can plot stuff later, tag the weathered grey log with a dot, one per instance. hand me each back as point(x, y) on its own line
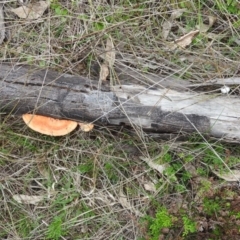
point(26, 89)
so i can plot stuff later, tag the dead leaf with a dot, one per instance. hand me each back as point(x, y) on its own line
point(25, 199)
point(230, 176)
point(189, 167)
point(104, 72)
point(215, 36)
point(86, 127)
point(183, 41)
point(153, 165)
point(31, 11)
point(43, 169)
point(211, 20)
point(166, 28)
point(177, 13)
point(167, 25)
point(149, 186)
point(202, 27)
point(123, 200)
point(205, 27)
point(109, 59)
point(110, 52)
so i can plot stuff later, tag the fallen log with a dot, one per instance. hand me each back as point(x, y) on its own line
point(25, 89)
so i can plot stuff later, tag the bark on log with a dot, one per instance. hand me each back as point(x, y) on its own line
point(27, 89)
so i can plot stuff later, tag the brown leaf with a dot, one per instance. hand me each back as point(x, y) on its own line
point(167, 25)
point(149, 186)
point(230, 176)
point(159, 167)
point(104, 72)
point(86, 127)
point(211, 20)
point(110, 52)
point(205, 27)
point(32, 11)
point(43, 169)
point(184, 41)
point(26, 199)
point(124, 201)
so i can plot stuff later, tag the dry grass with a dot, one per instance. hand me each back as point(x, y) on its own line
point(96, 185)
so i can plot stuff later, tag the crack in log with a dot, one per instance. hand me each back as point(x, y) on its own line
point(52, 86)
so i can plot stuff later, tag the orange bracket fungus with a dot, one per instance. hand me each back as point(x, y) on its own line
point(49, 126)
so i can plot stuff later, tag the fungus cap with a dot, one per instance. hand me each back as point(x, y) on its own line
point(49, 126)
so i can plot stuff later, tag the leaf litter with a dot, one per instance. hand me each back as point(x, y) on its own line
point(203, 28)
point(32, 10)
point(183, 41)
point(167, 25)
point(109, 58)
point(26, 199)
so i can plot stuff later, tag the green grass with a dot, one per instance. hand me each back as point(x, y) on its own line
point(55, 229)
point(188, 225)
point(162, 220)
point(211, 206)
